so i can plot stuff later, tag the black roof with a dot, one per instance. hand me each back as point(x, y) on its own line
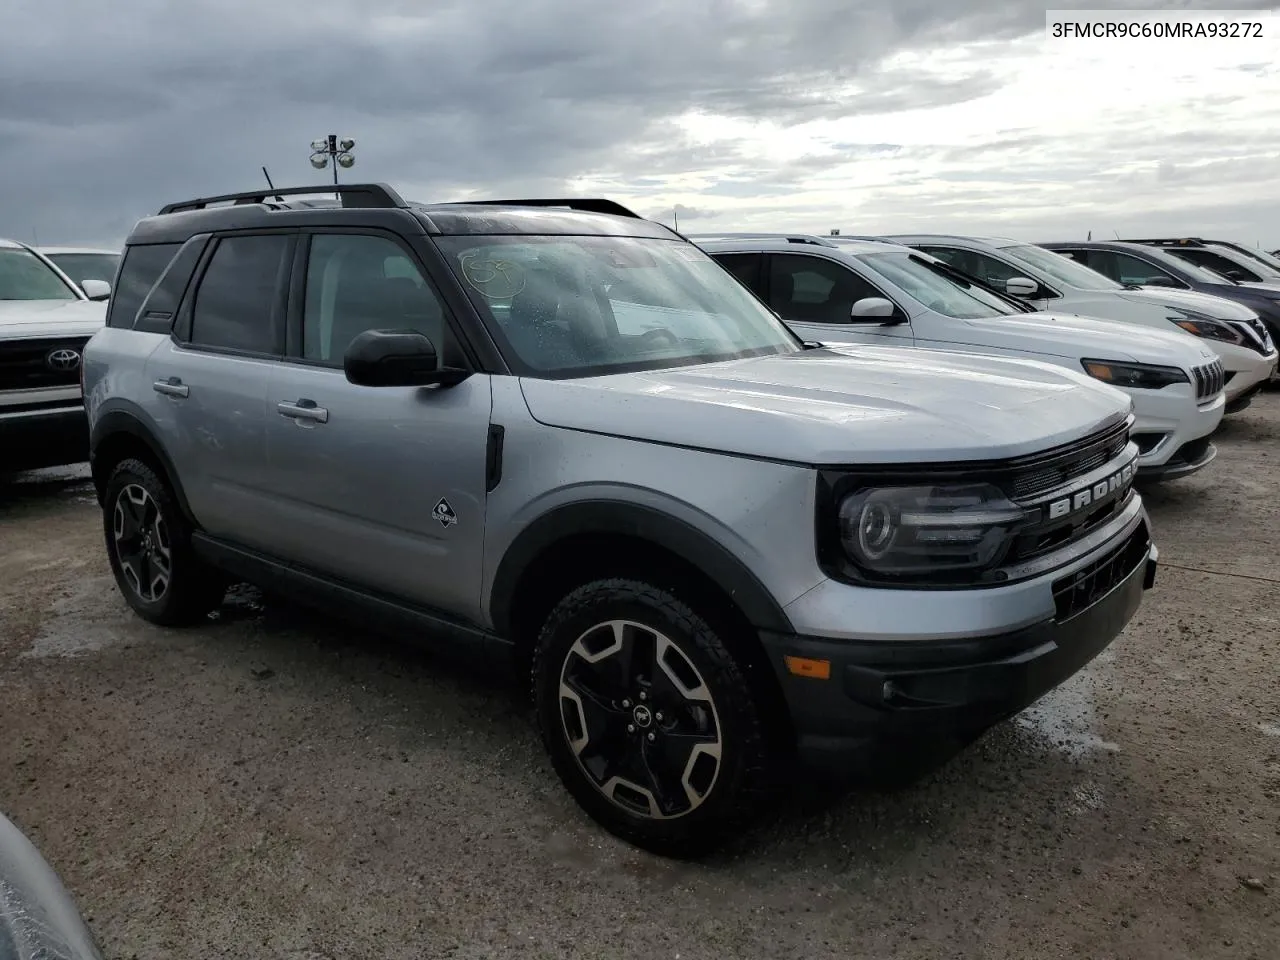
point(373, 204)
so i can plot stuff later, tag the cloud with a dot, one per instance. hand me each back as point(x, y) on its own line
point(761, 113)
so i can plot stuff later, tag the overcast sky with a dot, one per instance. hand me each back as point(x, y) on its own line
point(876, 116)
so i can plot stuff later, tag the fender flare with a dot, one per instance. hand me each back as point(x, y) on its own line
point(113, 423)
point(644, 523)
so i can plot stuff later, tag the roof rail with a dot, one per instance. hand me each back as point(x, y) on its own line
point(585, 204)
point(1172, 242)
point(352, 194)
point(789, 237)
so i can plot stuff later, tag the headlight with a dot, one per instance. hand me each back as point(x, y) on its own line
point(897, 531)
point(1134, 376)
point(1198, 325)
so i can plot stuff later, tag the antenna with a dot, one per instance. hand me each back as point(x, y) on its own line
point(675, 212)
point(1116, 232)
point(270, 184)
point(1089, 237)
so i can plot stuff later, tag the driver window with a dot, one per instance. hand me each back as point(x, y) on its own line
point(1123, 268)
point(357, 283)
point(805, 289)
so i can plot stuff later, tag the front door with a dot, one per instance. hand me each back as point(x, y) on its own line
point(381, 486)
point(815, 297)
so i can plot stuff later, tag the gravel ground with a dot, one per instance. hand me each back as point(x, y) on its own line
point(273, 785)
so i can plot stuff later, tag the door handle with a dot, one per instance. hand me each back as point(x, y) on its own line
point(172, 387)
point(303, 410)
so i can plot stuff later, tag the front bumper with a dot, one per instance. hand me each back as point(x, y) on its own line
point(43, 437)
point(906, 706)
point(1248, 373)
point(1171, 430)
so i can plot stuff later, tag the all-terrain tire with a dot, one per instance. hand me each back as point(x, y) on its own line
point(701, 662)
point(191, 589)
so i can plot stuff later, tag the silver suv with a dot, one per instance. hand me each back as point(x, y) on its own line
point(556, 436)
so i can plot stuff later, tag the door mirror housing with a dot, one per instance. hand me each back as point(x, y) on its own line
point(96, 289)
point(1159, 282)
point(873, 309)
point(397, 358)
point(1021, 287)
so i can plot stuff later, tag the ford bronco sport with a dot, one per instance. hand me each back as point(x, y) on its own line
point(553, 434)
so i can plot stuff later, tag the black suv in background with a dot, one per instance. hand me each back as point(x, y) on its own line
point(1152, 265)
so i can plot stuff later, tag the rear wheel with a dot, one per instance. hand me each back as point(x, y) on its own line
point(149, 546)
point(648, 718)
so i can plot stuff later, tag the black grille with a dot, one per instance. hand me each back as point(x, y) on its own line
point(1077, 592)
point(1256, 335)
point(1074, 461)
point(32, 364)
point(1209, 380)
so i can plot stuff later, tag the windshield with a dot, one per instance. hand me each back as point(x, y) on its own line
point(1062, 269)
point(582, 306)
point(87, 266)
point(1263, 270)
point(24, 276)
point(929, 284)
point(1263, 257)
point(1197, 272)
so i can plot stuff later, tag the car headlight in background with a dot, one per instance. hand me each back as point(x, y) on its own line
point(1199, 325)
point(897, 531)
point(1134, 376)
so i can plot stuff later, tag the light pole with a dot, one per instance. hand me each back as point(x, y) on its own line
point(335, 148)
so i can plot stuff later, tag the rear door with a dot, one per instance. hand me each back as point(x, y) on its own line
point(383, 487)
point(209, 380)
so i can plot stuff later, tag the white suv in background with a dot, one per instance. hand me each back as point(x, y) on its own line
point(45, 321)
point(81, 264)
point(1050, 281)
point(836, 290)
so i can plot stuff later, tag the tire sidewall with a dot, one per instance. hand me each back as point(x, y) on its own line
point(740, 738)
point(135, 473)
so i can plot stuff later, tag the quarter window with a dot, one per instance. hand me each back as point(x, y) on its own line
point(143, 265)
point(357, 283)
point(236, 304)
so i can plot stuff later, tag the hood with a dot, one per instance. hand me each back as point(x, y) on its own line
point(1271, 289)
point(1075, 337)
point(843, 404)
point(25, 319)
point(1207, 304)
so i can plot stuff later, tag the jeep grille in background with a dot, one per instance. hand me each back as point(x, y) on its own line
point(35, 364)
point(1209, 380)
point(1073, 461)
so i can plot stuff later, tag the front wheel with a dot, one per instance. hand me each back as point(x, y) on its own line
point(648, 718)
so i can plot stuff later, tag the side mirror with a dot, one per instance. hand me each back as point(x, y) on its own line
point(872, 308)
point(1239, 276)
point(1021, 287)
point(96, 289)
point(397, 358)
point(1159, 282)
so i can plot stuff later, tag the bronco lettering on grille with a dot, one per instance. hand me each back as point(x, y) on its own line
point(1117, 483)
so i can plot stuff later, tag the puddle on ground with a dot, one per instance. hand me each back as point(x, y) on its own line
point(90, 617)
point(1067, 717)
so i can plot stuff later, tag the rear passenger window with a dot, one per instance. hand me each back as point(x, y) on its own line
point(237, 303)
point(141, 268)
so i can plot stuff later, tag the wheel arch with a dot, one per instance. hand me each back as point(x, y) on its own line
point(120, 434)
point(645, 527)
